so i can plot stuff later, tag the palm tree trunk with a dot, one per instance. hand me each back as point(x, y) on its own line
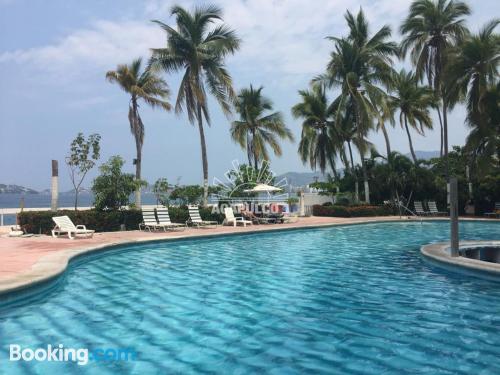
point(442, 135)
point(204, 157)
point(387, 141)
point(249, 150)
point(413, 155)
point(365, 178)
point(335, 174)
point(255, 159)
point(138, 168)
point(445, 134)
point(345, 160)
point(138, 160)
point(356, 184)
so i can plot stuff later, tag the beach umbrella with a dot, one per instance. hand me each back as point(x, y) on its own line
point(263, 188)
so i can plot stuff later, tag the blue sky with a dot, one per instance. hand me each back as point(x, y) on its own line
point(54, 55)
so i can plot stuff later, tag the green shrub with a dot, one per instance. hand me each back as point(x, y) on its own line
point(112, 188)
point(103, 221)
point(351, 211)
point(337, 211)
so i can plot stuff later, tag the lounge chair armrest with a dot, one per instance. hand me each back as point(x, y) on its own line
point(81, 227)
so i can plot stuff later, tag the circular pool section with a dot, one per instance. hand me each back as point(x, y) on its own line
point(483, 253)
point(351, 299)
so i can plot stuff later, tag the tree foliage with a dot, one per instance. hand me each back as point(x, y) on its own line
point(112, 188)
point(160, 190)
point(198, 50)
point(257, 129)
point(84, 153)
point(143, 86)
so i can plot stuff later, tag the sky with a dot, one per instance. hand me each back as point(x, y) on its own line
point(54, 55)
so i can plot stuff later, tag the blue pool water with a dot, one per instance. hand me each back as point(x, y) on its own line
point(346, 300)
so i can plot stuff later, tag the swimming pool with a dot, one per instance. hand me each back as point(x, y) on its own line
point(351, 299)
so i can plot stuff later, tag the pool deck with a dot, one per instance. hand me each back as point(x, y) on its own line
point(28, 261)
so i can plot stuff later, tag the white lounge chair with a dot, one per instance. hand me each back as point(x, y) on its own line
point(196, 220)
point(149, 221)
point(164, 219)
point(290, 218)
point(64, 225)
point(434, 210)
point(496, 211)
point(231, 219)
point(248, 215)
point(419, 209)
point(16, 231)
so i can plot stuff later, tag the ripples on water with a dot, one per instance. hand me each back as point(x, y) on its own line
point(347, 300)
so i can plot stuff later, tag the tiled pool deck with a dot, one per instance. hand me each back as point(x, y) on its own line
point(28, 261)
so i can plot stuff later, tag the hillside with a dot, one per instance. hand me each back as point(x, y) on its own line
point(16, 189)
point(300, 178)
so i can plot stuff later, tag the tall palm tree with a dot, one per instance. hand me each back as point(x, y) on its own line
point(319, 143)
point(385, 116)
point(413, 103)
point(198, 46)
point(430, 30)
point(475, 69)
point(358, 65)
point(149, 88)
point(257, 129)
point(483, 141)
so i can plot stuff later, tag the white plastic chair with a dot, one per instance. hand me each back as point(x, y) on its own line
point(64, 225)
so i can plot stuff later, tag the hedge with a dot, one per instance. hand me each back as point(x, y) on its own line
point(103, 221)
point(352, 211)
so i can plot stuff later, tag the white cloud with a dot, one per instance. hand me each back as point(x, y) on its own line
point(288, 37)
point(104, 45)
point(279, 37)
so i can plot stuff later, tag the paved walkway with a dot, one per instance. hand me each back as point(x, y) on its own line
point(27, 261)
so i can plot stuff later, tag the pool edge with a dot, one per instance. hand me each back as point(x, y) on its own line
point(438, 254)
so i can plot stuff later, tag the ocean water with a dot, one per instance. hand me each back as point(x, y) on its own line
point(340, 300)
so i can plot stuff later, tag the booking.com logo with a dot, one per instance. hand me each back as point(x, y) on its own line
point(81, 356)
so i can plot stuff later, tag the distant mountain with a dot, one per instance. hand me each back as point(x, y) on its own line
point(301, 178)
point(82, 191)
point(426, 155)
point(16, 189)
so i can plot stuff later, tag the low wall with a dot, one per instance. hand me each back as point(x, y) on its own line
point(312, 199)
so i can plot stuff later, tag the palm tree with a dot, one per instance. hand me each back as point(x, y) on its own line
point(199, 51)
point(256, 129)
point(385, 116)
point(357, 66)
point(149, 88)
point(430, 30)
point(413, 103)
point(475, 69)
point(320, 143)
point(483, 141)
